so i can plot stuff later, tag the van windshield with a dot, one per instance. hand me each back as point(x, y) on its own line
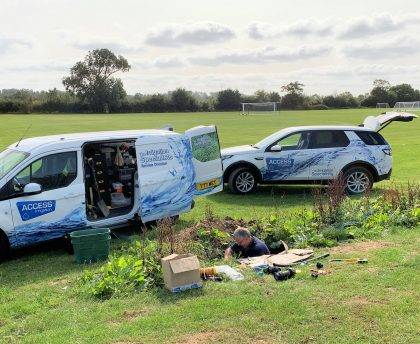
point(9, 159)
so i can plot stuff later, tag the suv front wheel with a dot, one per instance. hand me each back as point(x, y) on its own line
point(242, 180)
point(358, 180)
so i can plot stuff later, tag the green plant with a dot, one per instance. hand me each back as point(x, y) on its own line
point(125, 272)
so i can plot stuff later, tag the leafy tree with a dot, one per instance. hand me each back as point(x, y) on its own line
point(91, 79)
point(342, 100)
point(183, 100)
point(294, 95)
point(404, 93)
point(228, 100)
point(274, 97)
point(261, 96)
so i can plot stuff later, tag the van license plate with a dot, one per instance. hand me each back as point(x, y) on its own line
point(209, 184)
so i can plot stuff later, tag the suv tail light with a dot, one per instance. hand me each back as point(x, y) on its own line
point(387, 151)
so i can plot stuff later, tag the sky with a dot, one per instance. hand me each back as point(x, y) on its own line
point(329, 46)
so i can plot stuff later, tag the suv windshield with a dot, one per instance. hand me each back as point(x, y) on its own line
point(9, 159)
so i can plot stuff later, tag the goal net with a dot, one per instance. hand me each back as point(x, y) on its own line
point(407, 105)
point(248, 108)
point(382, 105)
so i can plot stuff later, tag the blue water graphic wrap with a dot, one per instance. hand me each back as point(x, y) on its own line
point(324, 162)
point(175, 194)
point(28, 234)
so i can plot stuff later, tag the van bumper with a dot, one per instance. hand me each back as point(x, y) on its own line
point(385, 176)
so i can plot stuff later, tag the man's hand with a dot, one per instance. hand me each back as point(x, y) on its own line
point(228, 253)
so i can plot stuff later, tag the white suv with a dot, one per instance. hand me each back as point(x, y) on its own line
point(309, 154)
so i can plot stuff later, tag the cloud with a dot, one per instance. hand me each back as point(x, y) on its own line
point(378, 24)
point(7, 44)
point(112, 44)
point(43, 67)
point(348, 29)
point(260, 31)
point(199, 33)
point(163, 62)
point(260, 55)
point(399, 47)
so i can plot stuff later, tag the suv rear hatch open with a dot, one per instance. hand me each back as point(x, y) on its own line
point(379, 122)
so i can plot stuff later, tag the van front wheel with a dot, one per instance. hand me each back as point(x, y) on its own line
point(242, 181)
point(4, 246)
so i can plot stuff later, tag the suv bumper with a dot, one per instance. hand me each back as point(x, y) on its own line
point(385, 176)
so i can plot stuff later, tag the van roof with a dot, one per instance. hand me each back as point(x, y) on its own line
point(78, 139)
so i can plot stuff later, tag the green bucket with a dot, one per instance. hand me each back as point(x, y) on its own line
point(91, 245)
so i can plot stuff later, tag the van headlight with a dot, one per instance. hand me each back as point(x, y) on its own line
point(224, 157)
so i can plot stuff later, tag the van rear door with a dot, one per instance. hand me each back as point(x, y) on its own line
point(207, 161)
point(165, 175)
point(379, 122)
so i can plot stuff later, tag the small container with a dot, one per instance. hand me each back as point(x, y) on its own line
point(118, 187)
point(91, 245)
point(118, 200)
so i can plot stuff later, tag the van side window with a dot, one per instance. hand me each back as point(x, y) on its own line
point(51, 172)
point(328, 139)
point(371, 138)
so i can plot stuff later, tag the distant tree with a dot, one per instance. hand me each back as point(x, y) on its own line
point(25, 100)
point(404, 93)
point(274, 97)
point(91, 79)
point(342, 100)
point(183, 100)
point(228, 100)
point(261, 96)
point(294, 95)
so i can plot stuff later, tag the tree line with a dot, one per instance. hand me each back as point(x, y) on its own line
point(92, 87)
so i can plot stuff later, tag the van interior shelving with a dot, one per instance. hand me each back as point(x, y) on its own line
point(110, 169)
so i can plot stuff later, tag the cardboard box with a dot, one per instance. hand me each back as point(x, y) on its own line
point(181, 272)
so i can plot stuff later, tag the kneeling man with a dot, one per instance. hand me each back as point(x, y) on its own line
point(246, 245)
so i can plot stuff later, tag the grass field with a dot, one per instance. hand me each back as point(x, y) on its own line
point(377, 303)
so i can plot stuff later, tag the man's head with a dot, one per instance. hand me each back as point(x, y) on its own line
point(242, 237)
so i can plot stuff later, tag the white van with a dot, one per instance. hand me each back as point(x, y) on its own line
point(52, 185)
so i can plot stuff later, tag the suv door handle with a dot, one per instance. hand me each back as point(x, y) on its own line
point(259, 158)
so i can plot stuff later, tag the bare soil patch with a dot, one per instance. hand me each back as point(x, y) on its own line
point(362, 246)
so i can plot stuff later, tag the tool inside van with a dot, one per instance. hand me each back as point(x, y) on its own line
point(110, 169)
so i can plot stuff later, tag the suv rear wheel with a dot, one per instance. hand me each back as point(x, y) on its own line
point(242, 180)
point(4, 246)
point(358, 180)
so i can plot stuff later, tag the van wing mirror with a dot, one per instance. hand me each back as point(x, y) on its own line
point(32, 189)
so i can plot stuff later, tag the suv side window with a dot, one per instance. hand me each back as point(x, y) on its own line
point(295, 141)
point(328, 139)
point(51, 172)
point(371, 138)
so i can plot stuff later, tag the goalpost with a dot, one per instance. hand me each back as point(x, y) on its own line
point(247, 108)
point(382, 105)
point(407, 105)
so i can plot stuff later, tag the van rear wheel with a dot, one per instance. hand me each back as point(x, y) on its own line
point(358, 180)
point(4, 246)
point(242, 180)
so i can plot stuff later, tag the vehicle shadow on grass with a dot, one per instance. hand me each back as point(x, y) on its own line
point(269, 195)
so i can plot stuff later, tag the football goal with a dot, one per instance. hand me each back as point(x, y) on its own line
point(407, 105)
point(248, 108)
point(382, 105)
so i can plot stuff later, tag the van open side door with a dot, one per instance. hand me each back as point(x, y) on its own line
point(207, 161)
point(380, 122)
